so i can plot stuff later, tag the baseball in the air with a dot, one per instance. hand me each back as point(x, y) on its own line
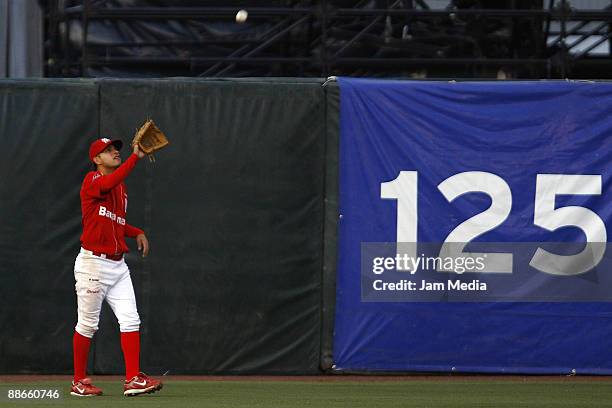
point(241, 16)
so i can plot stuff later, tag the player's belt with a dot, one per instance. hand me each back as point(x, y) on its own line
point(117, 257)
point(108, 256)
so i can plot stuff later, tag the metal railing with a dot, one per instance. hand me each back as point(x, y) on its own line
point(318, 39)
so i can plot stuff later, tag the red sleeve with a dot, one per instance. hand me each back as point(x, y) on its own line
point(132, 231)
point(103, 184)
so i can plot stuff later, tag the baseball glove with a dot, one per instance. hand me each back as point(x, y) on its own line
point(150, 139)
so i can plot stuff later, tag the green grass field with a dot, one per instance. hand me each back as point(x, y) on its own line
point(355, 394)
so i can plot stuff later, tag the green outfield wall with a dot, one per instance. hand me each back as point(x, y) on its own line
point(240, 274)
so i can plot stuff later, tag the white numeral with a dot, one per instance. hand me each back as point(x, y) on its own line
point(404, 190)
point(548, 186)
point(501, 203)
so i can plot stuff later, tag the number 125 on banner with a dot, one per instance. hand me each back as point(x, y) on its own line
point(548, 186)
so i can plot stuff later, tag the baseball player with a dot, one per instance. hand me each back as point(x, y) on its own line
point(100, 270)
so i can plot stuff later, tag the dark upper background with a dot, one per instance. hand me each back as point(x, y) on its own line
point(485, 39)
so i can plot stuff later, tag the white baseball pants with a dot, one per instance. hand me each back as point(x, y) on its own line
point(98, 279)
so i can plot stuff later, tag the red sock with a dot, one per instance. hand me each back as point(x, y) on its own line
point(130, 344)
point(80, 349)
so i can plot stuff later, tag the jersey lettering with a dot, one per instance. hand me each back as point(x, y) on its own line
point(111, 215)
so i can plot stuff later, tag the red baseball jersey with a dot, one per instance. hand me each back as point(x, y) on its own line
point(104, 206)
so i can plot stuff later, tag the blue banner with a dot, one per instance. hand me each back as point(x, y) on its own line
point(474, 227)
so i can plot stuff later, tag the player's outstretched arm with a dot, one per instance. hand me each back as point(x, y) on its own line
point(108, 182)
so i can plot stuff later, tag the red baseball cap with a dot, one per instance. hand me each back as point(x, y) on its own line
point(100, 144)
